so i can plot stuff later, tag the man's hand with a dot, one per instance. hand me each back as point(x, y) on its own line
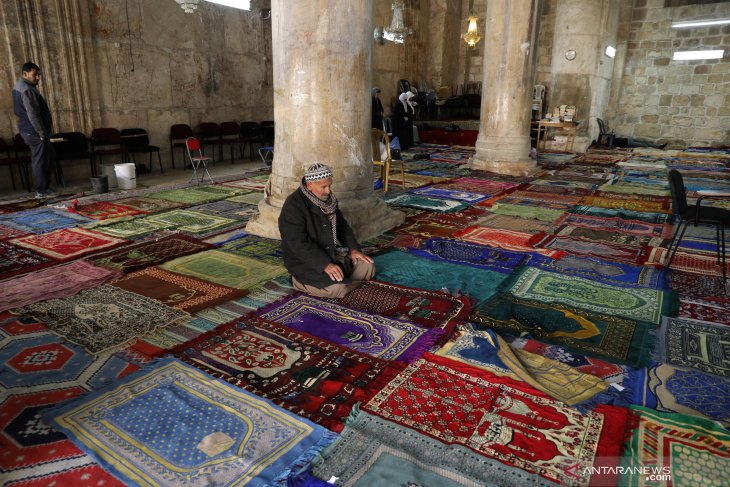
point(356, 255)
point(335, 272)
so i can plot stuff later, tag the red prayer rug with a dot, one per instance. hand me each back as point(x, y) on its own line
point(68, 243)
point(506, 239)
point(700, 285)
point(685, 262)
point(711, 310)
point(103, 210)
point(16, 260)
point(6, 232)
point(501, 418)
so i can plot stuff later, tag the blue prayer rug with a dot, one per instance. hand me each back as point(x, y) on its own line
point(43, 221)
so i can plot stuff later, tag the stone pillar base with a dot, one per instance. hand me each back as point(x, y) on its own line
point(504, 155)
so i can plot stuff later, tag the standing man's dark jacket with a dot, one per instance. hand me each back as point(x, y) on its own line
point(34, 117)
point(306, 240)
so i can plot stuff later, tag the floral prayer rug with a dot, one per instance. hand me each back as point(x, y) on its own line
point(681, 390)
point(371, 334)
point(681, 450)
point(686, 262)
point(610, 236)
point(57, 282)
point(505, 239)
point(225, 269)
point(252, 198)
point(103, 318)
point(173, 425)
point(513, 223)
point(451, 194)
point(473, 255)
point(424, 202)
point(371, 451)
point(535, 212)
point(43, 220)
point(145, 254)
point(135, 228)
point(195, 195)
point(486, 350)
point(68, 243)
point(643, 304)
point(628, 254)
point(697, 344)
point(606, 271)
point(104, 210)
point(315, 378)
point(18, 260)
point(148, 205)
point(182, 292)
point(646, 217)
point(500, 418)
point(263, 249)
point(408, 270)
point(193, 222)
point(615, 224)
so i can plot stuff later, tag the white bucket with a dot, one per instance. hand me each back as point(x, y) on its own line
point(111, 174)
point(126, 170)
point(126, 183)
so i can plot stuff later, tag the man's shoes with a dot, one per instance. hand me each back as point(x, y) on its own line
point(45, 194)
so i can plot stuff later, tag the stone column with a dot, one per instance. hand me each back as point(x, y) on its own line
point(510, 51)
point(322, 55)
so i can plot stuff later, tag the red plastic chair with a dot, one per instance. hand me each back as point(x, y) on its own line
point(197, 158)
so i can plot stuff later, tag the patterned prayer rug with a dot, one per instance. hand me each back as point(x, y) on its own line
point(529, 201)
point(104, 210)
point(566, 183)
point(476, 185)
point(516, 224)
point(646, 217)
point(486, 350)
point(225, 269)
point(686, 262)
point(685, 451)
point(148, 205)
point(549, 198)
point(534, 212)
point(416, 180)
point(505, 239)
point(627, 204)
point(56, 282)
point(227, 209)
point(642, 304)
point(257, 183)
point(315, 378)
point(195, 195)
point(606, 271)
point(42, 221)
point(371, 334)
point(182, 292)
point(17, 260)
point(473, 255)
point(500, 418)
point(628, 254)
point(681, 390)
point(634, 188)
point(103, 318)
point(705, 309)
point(135, 228)
point(541, 188)
point(263, 249)
point(252, 198)
point(6, 232)
point(697, 344)
point(173, 425)
point(68, 243)
point(192, 222)
point(610, 236)
point(424, 202)
point(451, 194)
point(372, 450)
point(145, 254)
point(408, 270)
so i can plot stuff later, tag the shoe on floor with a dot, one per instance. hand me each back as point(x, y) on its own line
point(46, 194)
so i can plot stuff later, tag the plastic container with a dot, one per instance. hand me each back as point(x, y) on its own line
point(108, 171)
point(100, 184)
point(126, 175)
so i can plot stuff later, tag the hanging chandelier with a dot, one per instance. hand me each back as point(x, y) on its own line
point(471, 37)
point(397, 31)
point(188, 6)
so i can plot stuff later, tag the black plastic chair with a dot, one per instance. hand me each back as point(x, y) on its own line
point(107, 142)
point(178, 135)
point(137, 141)
point(606, 138)
point(250, 134)
point(711, 215)
point(72, 146)
point(210, 134)
point(230, 135)
point(267, 132)
point(8, 159)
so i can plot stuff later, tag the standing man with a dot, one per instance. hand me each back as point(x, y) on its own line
point(319, 247)
point(34, 124)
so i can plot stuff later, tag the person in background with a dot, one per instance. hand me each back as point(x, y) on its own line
point(378, 110)
point(403, 120)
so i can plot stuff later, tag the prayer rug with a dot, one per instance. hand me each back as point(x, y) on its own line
point(57, 282)
point(131, 228)
point(194, 195)
point(408, 270)
point(550, 198)
point(173, 425)
point(21, 205)
point(145, 254)
point(712, 310)
point(627, 204)
point(68, 243)
point(6, 232)
point(606, 271)
point(257, 183)
point(476, 185)
point(566, 184)
point(505, 239)
point(687, 262)
point(18, 260)
point(416, 180)
point(148, 205)
point(697, 344)
point(663, 202)
point(252, 198)
point(643, 304)
point(371, 334)
point(681, 390)
point(500, 418)
point(646, 217)
point(535, 212)
point(529, 201)
point(225, 269)
point(42, 221)
point(486, 350)
point(683, 450)
point(103, 318)
point(633, 188)
point(451, 194)
point(628, 254)
point(541, 188)
point(513, 223)
point(616, 224)
point(227, 209)
point(263, 249)
point(607, 337)
point(473, 255)
point(372, 451)
point(182, 292)
point(192, 222)
point(104, 210)
point(424, 202)
point(608, 371)
point(315, 378)
point(610, 236)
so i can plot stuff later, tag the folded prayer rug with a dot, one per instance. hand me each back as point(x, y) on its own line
point(225, 269)
point(43, 220)
point(500, 418)
point(132, 228)
point(486, 350)
point(173, 425)
point(148, 205)
point(678, 450)
point(408, 270)
point(474, 255)
point(18, 260)
point(505, 239)
point(176, 290)
point(68, 243)
point(606, 271)
point(373, 451)
point(315, 378)
point(628, 254)
point(57, 282)
point(451, 194)
point(104, 210)
point(371, 334)
point(264, 249)
point(424, 202)
point(104, 317)
point(697, 344)
point(134, 257)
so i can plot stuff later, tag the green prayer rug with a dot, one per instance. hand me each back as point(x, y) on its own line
point(193, 222)
point(263, 249)
point(535, 212)
point(195, 195)
point(252, 198)
point(130, 229)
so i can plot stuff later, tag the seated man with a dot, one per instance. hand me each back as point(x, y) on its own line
point(320, 250)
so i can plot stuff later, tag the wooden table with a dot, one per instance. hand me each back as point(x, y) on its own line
point(569, 127)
